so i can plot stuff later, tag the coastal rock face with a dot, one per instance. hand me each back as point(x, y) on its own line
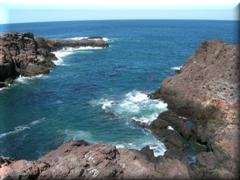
point(206, 91)
point(210, 77)
point(26, 55)
point(20, 55)
point(78, 159)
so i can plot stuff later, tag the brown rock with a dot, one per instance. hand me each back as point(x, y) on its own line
point(207, 90)
point(78, 159)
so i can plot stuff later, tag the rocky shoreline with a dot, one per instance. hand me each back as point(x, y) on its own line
point(203, 101)
point(200, 129)
point(26, 55)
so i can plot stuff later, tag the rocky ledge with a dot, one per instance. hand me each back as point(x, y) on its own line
point(80, 160)
point(203, 102)
point(26, 55)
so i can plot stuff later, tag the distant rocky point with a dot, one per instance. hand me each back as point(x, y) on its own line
point(26, 55)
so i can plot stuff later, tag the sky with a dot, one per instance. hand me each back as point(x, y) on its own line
point(19, 11)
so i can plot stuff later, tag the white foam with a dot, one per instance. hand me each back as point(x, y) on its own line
point(147, 119)
point(37, 121)
point(82, 38)
point(157, 146)
point(24, 79)
point(158, 149)
point(136, 96)
point(5, 88)
point(21, 128)
point(170, 128)
point(119, 146)
point(106, 104)
point(105, 39)
point(76, 38)
point(176, 68)
point(16, 130)
point(60, 54)
point(135, 105)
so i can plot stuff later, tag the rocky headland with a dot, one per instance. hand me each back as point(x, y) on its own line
point(200, 129)
point(203, 102)
point(26, 55)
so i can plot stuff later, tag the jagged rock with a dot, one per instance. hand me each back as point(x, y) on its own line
point(26, 55)
point(78, 159)
point(206, 90)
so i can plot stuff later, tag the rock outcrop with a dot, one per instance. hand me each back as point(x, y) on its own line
point(80, 160)
point(206, 91)
point(26, 55)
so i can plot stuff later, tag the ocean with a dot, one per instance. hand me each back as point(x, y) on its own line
point(99, 94)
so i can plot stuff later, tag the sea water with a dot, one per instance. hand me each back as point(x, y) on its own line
point(99, 94)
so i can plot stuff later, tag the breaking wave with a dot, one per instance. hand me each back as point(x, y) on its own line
point(81, 38)
point(138, 107)
point(154, 144)
point(134, 106)
point(60, 54)
point(176, 68)
point(24, 79)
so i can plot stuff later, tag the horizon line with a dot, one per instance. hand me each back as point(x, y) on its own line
point(157, 19)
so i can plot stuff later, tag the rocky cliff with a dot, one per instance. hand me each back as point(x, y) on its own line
point(206, 93)
point(26, 55)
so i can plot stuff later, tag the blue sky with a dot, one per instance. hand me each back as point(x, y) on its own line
point(17, 11)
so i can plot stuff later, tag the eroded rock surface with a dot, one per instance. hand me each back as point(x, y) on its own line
point(206, 91)
point(78, 159)
point(26, 55)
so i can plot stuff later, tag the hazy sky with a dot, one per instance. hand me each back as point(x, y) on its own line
point(15, 11)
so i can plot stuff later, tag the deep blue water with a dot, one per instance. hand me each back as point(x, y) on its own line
point(95, 94)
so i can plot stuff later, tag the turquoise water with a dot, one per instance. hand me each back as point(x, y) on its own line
point(98, 94)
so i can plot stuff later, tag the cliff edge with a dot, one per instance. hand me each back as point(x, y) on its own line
point(206, 93)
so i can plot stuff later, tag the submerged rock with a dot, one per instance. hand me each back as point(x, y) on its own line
point(26, 55)
point(206, 90)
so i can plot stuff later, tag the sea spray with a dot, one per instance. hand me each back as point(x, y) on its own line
point(61, 54)
point(176, 68)
point(135, 105)
point(25, 79)
point(82, 38)
point(138, 107)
